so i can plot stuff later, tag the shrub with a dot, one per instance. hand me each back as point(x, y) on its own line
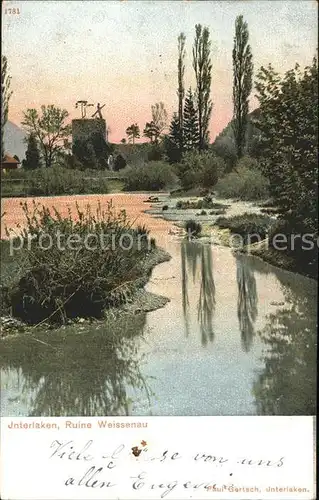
point(207, 203)
point(192, 228)
point(78, 281)
point(179, 204)
point(119, 163)
point(71, 161)
point(224, 147)
point(248, 162)
point(246, 184)
point(56, 180)
point(200, 169)
point(155, 152)
point(165, 207)
point(151, 176)
point(294, 231)
point(203, 212)
point(246, 224)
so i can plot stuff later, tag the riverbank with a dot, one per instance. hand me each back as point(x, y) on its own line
point(139, 301)
point(129, 295)
point(217, 233)
point(225, 321)
point(281, 260)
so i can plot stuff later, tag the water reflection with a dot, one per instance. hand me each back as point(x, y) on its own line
point(247, 301)
point(69, 372)
point(287, 384)
point(197, 262)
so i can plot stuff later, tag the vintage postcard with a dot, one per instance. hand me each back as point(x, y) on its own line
point(159, 249)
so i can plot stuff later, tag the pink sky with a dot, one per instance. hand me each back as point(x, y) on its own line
point(124, 54)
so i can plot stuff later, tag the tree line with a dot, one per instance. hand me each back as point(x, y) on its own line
point(285, 124)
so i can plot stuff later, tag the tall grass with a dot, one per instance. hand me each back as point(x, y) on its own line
point(56, 180)
point(78, 280)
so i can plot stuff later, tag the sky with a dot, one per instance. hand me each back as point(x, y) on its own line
point(123, 53)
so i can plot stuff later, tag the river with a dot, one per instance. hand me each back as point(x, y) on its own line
point(238, 337)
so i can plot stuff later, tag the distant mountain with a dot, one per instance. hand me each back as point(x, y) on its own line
point(14, 140)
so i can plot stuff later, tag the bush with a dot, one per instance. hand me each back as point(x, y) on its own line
point(200, 169)
point(78, 281)
point(71, 161)
point(155, 152)
point(119, 163)
point(246, 224)
point(56, 180)
point(294, 231)
point(206, 202)
point(165, 207)
point(192, 228)
point(179, 204)
point(224, 147)
point(203, 212)
point(247, 183)
point(151, 176)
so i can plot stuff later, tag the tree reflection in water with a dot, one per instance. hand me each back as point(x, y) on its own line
point(197, 257)
point(287, 385)
point(247, 301)
point(83, 373)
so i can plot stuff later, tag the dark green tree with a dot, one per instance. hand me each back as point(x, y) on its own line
point(133, 132)
point(119, 162)
point(172, 141)
point(32, 155)
point(181, 86)
point(190, 126)
point(203, 68)
point(151, 131)
point(288, 123)
point(242, 84)
point(5, 97)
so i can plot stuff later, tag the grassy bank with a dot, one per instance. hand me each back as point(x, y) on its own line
point(257, 231)
point(99, 263)
point(246, 225)
point(54, 181)
point(282, 259)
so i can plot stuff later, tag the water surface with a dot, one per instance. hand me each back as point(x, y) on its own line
point(238, 337)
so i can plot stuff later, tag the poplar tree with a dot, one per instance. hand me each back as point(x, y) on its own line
point(203, 69)
point(5, 97)
point(242, 84)
point(181, 87)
